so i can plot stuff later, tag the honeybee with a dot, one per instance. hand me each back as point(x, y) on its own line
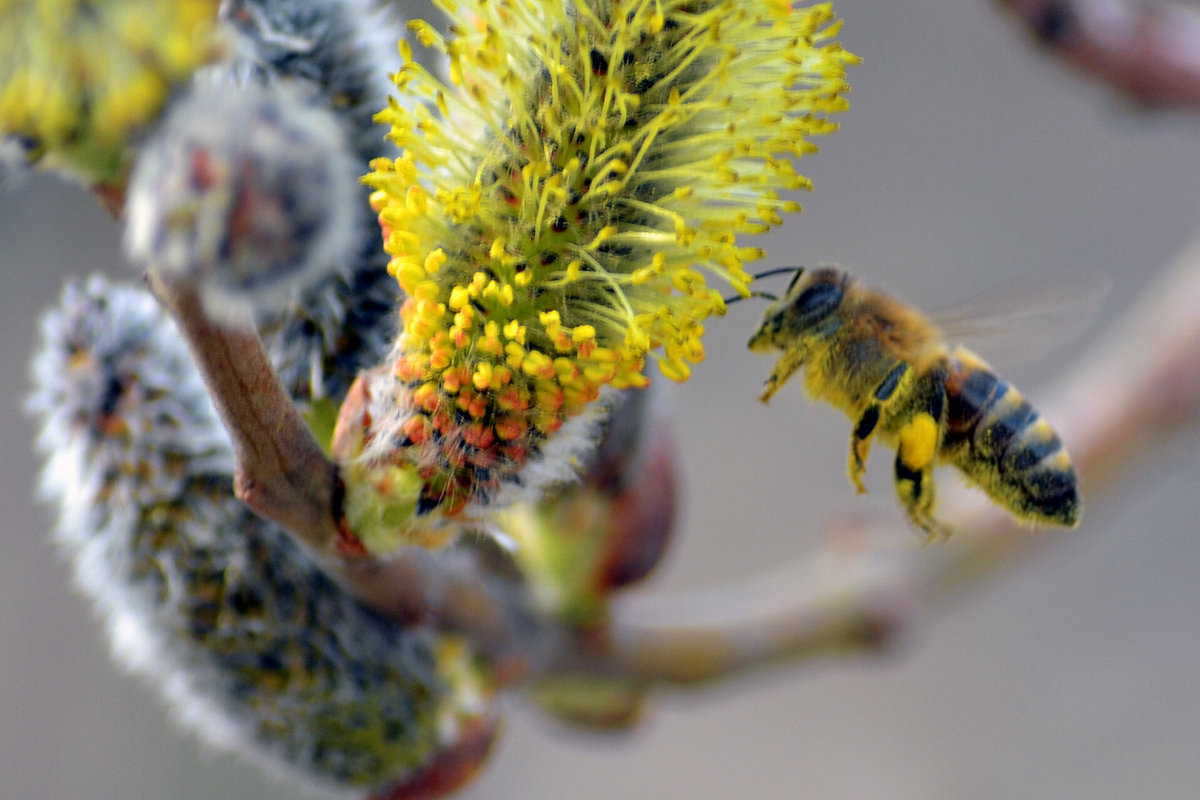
point(887, 366)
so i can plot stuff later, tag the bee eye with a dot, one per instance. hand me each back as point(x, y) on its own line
point(817, 302)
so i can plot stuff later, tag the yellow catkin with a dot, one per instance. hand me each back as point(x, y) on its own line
point(585, 174)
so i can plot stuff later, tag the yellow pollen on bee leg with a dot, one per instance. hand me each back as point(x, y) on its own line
point(918, 442)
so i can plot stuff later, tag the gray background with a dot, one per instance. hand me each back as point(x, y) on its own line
point(968, 165)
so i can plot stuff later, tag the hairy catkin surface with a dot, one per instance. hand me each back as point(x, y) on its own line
point(252, 645)
point(243, 633)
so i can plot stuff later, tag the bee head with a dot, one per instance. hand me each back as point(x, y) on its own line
point(805, 309)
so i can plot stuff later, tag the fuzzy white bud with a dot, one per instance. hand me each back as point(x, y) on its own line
point(248, 191)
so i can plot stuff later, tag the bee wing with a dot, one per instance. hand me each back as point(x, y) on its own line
point(1025, 326)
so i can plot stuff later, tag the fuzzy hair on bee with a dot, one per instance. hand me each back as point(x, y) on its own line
point(889, 368)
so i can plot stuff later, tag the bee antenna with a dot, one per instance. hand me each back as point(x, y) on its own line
point(736, 297)
point(775, 271)
point(759, 276)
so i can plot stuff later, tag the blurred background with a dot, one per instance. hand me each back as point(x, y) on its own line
point(969, 165)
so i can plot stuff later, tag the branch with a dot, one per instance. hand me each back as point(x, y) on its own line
point(868, 586)
point(282, 474)
point(1150, 52)
point(872, 583)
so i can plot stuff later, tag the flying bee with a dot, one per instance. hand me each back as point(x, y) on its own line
point(887, 366)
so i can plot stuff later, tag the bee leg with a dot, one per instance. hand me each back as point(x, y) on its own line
point(914, 473)
point(864, 429)
point(860, 445)
point(916, 451)
point(791, 360)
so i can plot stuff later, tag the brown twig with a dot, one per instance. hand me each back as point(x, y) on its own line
point(873, 583)
point(1148, 51)
point(282, 474)
point(867, 586)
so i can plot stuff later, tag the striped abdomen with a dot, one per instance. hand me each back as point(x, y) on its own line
point(1002, 444)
